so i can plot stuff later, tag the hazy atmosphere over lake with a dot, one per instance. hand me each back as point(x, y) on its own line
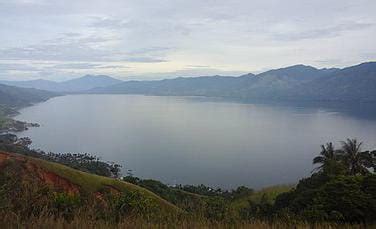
point(188, 114)
point(194, 140)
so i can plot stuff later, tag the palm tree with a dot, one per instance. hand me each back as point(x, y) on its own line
point(355, 160)
point(327, 157)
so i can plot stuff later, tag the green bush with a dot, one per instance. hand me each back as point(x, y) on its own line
point(340, 198)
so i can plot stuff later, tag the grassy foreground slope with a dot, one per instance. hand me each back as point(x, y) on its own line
point(161, 200)
point(75, 182)
point(94, 183)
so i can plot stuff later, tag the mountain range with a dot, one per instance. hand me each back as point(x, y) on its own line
point(75, 85)
point(294, 83)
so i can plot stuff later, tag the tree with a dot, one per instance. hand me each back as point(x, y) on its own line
point(356, 161)
point(328, 158)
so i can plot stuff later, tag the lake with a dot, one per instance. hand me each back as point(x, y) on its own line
point(194, 140)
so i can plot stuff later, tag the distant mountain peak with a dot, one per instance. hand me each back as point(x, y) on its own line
point(74, 85)
point(295, 72)
point(247, 75)
point(88, 82)
point(297, 67)
point(88, 76)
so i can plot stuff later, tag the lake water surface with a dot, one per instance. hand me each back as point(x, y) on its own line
point(192, 140)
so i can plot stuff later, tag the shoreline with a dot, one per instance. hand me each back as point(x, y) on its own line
point(15, 126)
point(10, 125)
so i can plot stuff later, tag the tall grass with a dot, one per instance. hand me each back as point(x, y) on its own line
point(10, 220)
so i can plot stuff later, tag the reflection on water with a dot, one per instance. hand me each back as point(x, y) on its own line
point(193, 140)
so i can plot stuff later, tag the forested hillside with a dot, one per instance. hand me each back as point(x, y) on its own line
point(295, 83)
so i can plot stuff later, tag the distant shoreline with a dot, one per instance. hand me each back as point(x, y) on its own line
point(11, 125)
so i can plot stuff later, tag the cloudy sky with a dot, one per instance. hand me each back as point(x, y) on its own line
point(140, 39)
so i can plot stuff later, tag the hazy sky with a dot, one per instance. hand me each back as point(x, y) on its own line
point(141, 39)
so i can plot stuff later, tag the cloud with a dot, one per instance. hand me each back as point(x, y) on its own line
point(150, 50)
point(183, 37)
point(17, 67)
point(72, 34)
point(322, 32)
point(110, 23)
point(369, 55)
point(112, 66)
point(198, 66)
point(87, 49)
point(145, 60)
point(76, 66)
point(84, 66)
point(53, 52)
point(23, 2)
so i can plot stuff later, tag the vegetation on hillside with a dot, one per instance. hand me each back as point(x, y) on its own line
point(341, 191)
point(4, 113)
point(81, 161)
point(13, 98)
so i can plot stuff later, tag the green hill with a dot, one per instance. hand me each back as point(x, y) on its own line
point(13, 98)
point(89, 188)
point(149, 196)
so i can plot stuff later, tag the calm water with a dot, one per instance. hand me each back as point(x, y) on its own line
point(195, 140)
